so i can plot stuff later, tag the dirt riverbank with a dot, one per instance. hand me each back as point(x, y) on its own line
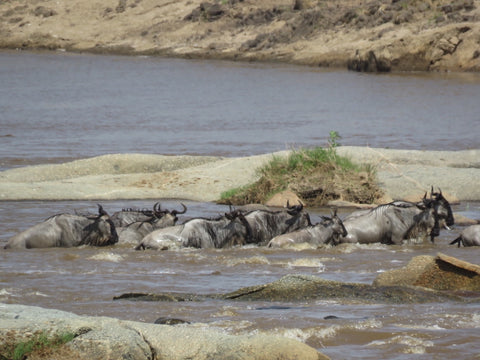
point(375, 35)
point(402, 174)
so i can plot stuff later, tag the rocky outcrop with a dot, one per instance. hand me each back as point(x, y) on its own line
point(107, 338)
point(442, 272)
point(378, 35)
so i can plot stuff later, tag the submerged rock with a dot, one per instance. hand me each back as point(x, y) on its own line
point(305, 287)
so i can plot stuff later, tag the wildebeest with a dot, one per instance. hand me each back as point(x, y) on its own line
point(148, 221)
point(225, 231)
point(393, 223)
point(470, 236)
point(324, 232)
point(67, 230)
point(266, 224)
point(129, 216)
point(444, 210)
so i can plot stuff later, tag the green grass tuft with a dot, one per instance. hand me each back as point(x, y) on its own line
point(38, 342)
point(316, 175)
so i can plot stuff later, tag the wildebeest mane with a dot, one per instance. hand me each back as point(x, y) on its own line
point(218, 218)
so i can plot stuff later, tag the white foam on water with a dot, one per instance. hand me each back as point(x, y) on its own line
point(307, 262)
point(162, 271)
point(106, 256)
point(350, 248)
point(462, 321)
point(229, 311)
point(5, 292)
point(325, 332)
point(409, 344)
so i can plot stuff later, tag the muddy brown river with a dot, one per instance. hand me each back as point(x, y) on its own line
point(59, 107)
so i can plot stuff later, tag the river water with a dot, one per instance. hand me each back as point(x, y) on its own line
point(56, 107)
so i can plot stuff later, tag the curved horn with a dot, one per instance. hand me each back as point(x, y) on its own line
point(176, 212)
point(157, 207)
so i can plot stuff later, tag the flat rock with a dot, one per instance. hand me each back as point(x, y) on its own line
point(108, 338)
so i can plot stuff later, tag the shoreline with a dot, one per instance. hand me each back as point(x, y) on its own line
point(402, 174)
point(378, 36)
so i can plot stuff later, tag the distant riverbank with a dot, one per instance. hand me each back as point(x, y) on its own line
point(402, 174)
point(379, 35)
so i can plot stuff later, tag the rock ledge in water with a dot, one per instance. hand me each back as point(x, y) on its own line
point(304, 287)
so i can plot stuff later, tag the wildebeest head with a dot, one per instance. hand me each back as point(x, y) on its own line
point(429, 217)
point(100, 232)
point(337, 224)
point(299, 218)
point(241, 237)
point(164, 217)
point(444, 209)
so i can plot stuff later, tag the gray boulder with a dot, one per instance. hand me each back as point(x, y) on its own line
point(108, 338)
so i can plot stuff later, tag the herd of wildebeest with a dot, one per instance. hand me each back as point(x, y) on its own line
point(158, 229)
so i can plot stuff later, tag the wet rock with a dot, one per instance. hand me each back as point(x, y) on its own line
point(438, 273)
point(303, 287)
point(368, 62)
point(170, 321)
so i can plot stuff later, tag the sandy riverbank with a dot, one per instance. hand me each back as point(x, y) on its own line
point(377, 35)
point(402, 174)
